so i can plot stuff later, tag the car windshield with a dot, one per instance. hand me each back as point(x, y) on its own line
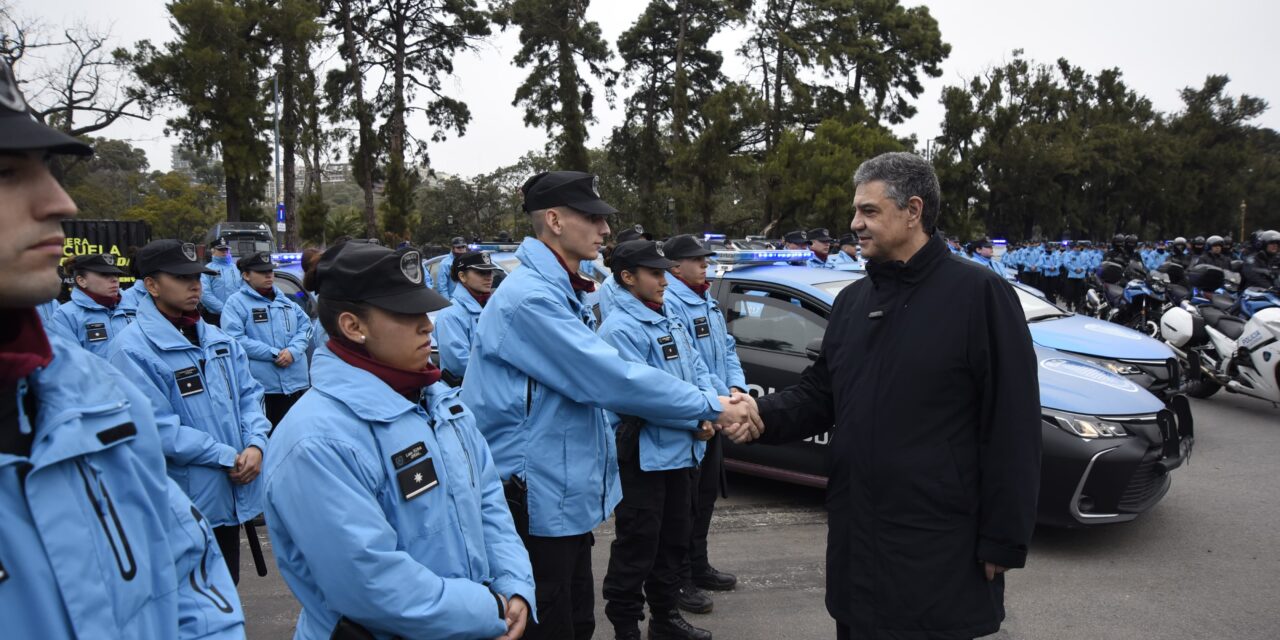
point(1036, 309)
point(835, 286)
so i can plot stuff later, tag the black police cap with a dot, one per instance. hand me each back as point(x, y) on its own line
point(685, 246)
point(19, 131)
point(170, 256)
point(796, 237)
point(634, 233)
point(389, 279)
point(849, 238)
point(260, 261)
point(104, 263)
point(573, 189)
point(474, 260)
point(458, 242)
point(820, 235)
point(639, 253)
point(221, 243)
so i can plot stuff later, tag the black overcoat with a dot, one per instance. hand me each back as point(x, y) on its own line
point(927, 381)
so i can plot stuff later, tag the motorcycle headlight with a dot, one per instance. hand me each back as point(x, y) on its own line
point(1087, 427)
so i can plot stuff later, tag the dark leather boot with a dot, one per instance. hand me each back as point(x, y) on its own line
point(673, 626)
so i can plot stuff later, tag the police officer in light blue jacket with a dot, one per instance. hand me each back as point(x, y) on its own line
point(539, 381)
point(456, 324)
point(444, 284)
point(386, 510)
point(94, 315)
point(95, 541)
point(846, 257)
point(655, 457)
point(192, 370)
point(820, 246)
point(219, 281)
point(982, 254)
point(274, 331)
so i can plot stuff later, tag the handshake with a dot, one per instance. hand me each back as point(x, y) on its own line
point(740, 419)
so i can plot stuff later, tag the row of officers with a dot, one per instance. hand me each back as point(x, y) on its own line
point(136, 438)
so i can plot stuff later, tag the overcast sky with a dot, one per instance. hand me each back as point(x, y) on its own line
point(1161, 46)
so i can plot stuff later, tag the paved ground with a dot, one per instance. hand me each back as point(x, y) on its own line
point(1203, 564)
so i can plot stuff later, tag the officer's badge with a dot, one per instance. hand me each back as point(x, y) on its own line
point(10, 97)
point(639, 229)
point(109, 260)
point(411, 266)
point(595, 185)
point(657, 247)
point(264, 258)
point(189, 250)
point(484, 258)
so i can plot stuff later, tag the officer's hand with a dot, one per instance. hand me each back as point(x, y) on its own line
point(992, 569)
point(284, 358)
point(517, 617)
point(739, 420)
point(705, 431)
point(248, 465)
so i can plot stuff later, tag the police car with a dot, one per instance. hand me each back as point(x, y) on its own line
point(1109, 445)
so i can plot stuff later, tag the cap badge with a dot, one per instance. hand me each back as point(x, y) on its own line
point(595, 187)
point(639, 228)
point(264, 258)
point(189, 250)
point(657, 247)
point(10, 97)
point(484, 258)
point(411, 266)
point(109, 259)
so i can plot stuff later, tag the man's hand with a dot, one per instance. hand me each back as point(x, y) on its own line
point(284, 358)
point(740, 420)
point(517, 617)
point(248, 466)
point(705, 431)
point(992, 570)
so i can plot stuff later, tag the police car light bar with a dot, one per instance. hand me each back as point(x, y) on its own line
point(713, 237)
point(761, 256)
point(493, 247)
point(1000, 241)
point(286, 258)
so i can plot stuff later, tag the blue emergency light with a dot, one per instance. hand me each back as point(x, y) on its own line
point(762, 256)
point(713, 237)
point(999, 241)
point(286, 258)
point(493, 247)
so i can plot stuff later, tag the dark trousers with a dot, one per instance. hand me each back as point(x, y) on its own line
point(1074, 292)
point(563, 584)
point(229, 542)
point(275, 405)
point(652, 524)
point(707, 483)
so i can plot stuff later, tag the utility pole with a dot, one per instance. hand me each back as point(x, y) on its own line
point(1244, 206)
point(275, 98)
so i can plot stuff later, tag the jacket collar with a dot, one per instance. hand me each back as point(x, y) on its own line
point(913, 270)
point(536, 255)
point(366, 395)
point(253, 293)
point(164, 335)
point(462, 297)
point(632, 306)
point(682, 291)
point(81, 298)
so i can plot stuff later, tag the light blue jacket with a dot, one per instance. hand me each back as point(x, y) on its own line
point(704, 322)
point(96, 541)
point(1076, 263)
point(605, 296)
point(642, 335)
point(220, 287)
point(815, 263)
point(1051, 263)
point(445, 284)
point(1153, 259)
point(539, 381)
point(129, 298)
point(88, 323)
point(991, 264)
point(47, 310)
point(843, 262)
point(455, 326)
point(219, 417)
point(265, 327)
point(349, 543)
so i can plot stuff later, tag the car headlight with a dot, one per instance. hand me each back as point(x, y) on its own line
point(1118, 368)
point(1087, 427)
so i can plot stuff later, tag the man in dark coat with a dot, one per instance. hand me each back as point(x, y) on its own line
point(927, 382)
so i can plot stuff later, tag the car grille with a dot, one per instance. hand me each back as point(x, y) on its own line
point(1145, 482)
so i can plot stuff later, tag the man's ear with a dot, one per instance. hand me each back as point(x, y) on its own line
point(915, 210)
point(555, 221)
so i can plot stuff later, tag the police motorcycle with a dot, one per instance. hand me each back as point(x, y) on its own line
point(1222, 350)
point(1137, 304)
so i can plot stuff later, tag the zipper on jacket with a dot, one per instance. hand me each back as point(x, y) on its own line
point(24, 421)
point(528, 396)
point(226, 375)
point(471, 470)
point(132, 570)
point(220, 601)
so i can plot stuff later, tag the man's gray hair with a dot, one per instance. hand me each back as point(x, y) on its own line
point(905, 175)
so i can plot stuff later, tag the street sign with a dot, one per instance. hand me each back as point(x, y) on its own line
point(280, 227)
point(280, 214)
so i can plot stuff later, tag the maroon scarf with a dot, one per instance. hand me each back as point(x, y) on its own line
point(24, 347)
point(656, 307)
point(700, 289)
point(109, 302)
point(482, 298)
point(576, 281)
point(268, 293)
point(186, 320)
point(404, 382)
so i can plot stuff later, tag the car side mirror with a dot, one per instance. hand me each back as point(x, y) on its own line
point(813, 349)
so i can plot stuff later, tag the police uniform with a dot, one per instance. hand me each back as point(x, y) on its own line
point(990, 263)
point(842, 261)
point(265, 326)
point(87, 321)
point(129, 298)
point(456, 323)
point(200, 375)
point(655, 458)
point(95, 541)
point(798, 237)
point(1077, 264)
point(1051, 268)
point(218, 283)
point(817, 260)
point(546, 378)
point(699, 313)
point(445, 284)
point(387, 514)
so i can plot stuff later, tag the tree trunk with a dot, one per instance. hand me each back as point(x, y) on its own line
point(289, 144)
point(233, 185)
point(364, 165)
point(573, 148)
